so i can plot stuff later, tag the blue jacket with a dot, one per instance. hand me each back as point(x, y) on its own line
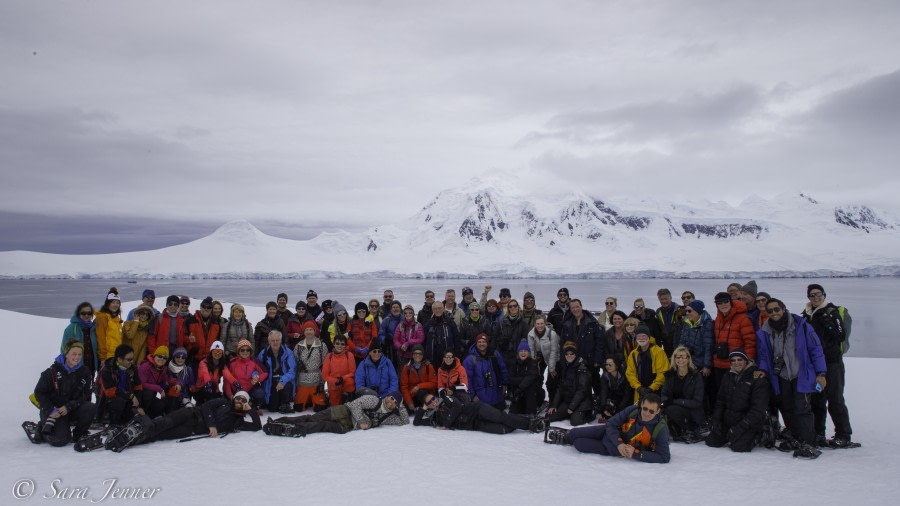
point(699, 339)
point(73, 331)
point(485, 380)
point(388, 326)
point(288, 369)
point(809, 355)
point(382, 377)
point(616, 434)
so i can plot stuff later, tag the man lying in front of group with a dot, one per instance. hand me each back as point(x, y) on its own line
point(365, 412)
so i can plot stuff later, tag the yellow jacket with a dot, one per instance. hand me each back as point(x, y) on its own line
point(660, 363)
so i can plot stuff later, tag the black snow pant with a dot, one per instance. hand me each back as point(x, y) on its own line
point(576, 418)
point(796, 410)
point(527, 397)
point(740, 440)
point(832, 400)
point(493, 421)
point(81, 417)
point(683, 419)
point(277, 399)
point(178, 424)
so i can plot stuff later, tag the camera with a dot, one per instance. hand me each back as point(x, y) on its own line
point(489, 379)
point(778, 365)
point(48, 426)
point(722, 350)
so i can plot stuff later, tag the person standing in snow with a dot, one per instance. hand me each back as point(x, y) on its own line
point(265, 326)
point(109, 325)
point(560, 310)
point(82, 328)
point(283, 312)
point(832, 326)
point(668, 321)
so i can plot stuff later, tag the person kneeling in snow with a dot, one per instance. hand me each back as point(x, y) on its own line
point(637, 433)
point(214, 417)
point(64, 395)
point(449, 412)
point(366, 412)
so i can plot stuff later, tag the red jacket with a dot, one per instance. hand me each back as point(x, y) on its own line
point(203, 336)
point(160, 335)
point(339, 366)
point(453, 377)
point(425, 378)
point(362, 333)
point(204, 376)
point(737, 329)
point(241, 370)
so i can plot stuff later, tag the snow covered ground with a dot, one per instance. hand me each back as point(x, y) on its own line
point(407, 465)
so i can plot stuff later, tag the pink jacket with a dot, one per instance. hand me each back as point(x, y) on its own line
point(241, 370)
point(409, 333)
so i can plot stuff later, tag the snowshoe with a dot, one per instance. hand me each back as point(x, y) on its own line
point(788, 445)
point(542, 411)
point(556, 436)
point(840, 443)
point(129, 435)
point(273, 428)
point(692, 436)
point(767, 438)
point(806, 451)
point(536, 425)
point(33, 431)
point(90, 442)
point(820, 441)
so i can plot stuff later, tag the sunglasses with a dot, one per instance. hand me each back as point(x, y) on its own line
point(610, 303)
point(773, 310)
point(432, 399)
point(815, 294)
point(373, 305)
point(512, 306)
point(763, 299)
point(610, 364)
point(686, 297)
point(649, 411)
point(244, 350)
point(737, 359)
point(171, 304)
point(473, 309)
point(449, 357)
point(180, 355)
point(688, 311)
point(161, 356)
point(638, 308)
point(85, 313)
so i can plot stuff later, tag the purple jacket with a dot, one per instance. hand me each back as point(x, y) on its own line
point(810, 358)
point(153, 379)
point(409, 334)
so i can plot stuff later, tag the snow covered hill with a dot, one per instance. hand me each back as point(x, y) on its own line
point(492, 228)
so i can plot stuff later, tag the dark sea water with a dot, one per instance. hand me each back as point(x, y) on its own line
point(871, 301)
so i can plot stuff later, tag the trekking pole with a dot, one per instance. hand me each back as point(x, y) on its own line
point(194, 438)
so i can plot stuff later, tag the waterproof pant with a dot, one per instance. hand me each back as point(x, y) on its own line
point(80, 417)
point(309, 396)
point(683, 419)
point(336, 392)
point(576, 418)
point(796, 410)
point(336, 419)
point(832, 399)
point(279, 398)
point(740, 440)
point(491, 420)
point(593, 440)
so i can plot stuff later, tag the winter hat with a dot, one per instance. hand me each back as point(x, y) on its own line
point(396, 303)
point(409, 308)
point(697, 305)
point(300, 304)
point(148, 293)
point(750, 288)
point(563, 290)
point(339, 308)
point(523, 345)
point(162, 350)
point(360, 305)
point(172, 298)
point(376, 345)
point(243, 343)
point(206, 303)
point(570, 346)
point(642, 328)
point(326, 304)
point(764, 294)
point(73, 343)
point(143, 309)
point(241, 393)
point(738, 352)
point(113, 294)
point(271, 303)
point(309, 324)
point(280, 295)
point(505, 292)
point(184, 300)
point(217, 345)
point(528, 295)
point(396, 396)
point(474, 305)
point(312, 293)
point(482, 335)
point(180, 351)
point(722, 297)
point(418, 347)
point(813, 287)
point(467, 290)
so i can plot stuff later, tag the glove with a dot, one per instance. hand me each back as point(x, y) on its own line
point(236, 387)
point(209, 387)
point(340, 381)
point(643, 391)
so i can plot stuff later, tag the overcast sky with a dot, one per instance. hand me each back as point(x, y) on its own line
point(350, 114)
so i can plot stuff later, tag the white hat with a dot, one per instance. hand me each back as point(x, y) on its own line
point(217, 345)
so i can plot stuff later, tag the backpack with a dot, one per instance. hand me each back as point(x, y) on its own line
point(632, 417)
point(848, 322)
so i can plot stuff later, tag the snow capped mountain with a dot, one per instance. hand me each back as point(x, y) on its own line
point(491, 227)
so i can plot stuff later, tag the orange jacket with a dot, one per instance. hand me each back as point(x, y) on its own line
point(737, 330)
point(339, 366)
point(160, 335)
point(452, 377)
point(362, 333)
point(203, 337)
point(425, 378)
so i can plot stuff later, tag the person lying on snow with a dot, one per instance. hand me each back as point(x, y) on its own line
point(365, 412)
point(449, 412)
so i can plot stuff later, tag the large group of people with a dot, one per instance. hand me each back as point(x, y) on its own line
point(676, 373)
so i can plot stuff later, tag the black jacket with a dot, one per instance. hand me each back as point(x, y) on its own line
point(590, 338)
point(523, 374)
point(742, 402)
point(219, 413)
point(58, 386)
point(692, 391)
point(574, 387)
point(615, 394)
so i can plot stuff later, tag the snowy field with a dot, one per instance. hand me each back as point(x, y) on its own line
point(416, 465)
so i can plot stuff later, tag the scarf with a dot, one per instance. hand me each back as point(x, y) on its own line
point(175, 368)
